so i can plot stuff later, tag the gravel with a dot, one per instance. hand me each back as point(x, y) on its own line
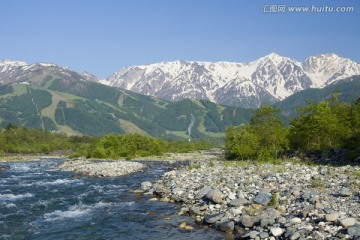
point(286, 201)
point(102, 168)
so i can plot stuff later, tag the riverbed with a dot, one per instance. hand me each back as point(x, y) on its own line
point(39, 201)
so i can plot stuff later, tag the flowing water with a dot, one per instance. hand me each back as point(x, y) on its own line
point(37, 201)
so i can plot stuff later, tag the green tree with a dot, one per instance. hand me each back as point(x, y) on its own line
point(269, 129)
point(355, 125)
point(241, 142)
point(315, 128)
point(263, 138)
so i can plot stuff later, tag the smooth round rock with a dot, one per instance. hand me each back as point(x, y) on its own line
point(347, 222)
point(331, 217)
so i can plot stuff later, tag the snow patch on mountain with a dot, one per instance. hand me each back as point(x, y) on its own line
point(265, 80)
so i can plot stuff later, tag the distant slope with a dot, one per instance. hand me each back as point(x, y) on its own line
point(77, 106)
point(348, 89)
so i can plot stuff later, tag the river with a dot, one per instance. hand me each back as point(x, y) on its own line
point(37, 201)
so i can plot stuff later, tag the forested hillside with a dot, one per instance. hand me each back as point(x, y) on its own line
point(74, 106)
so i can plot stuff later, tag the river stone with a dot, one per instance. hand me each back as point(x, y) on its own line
point(295, 236)
point(263, 198)
point(203, 207)
point(195, 211)
point(281, 208)
point(146, 185)
point(295, 220)
point(177, 191)
point(317, 235)
point(203, 192)
point(331, 217)
point(235, 211)
point(276, 231)
point(227, 226)
point(165, 199)
point(342, 176)
point(267, 213)
point(267, 221)
point(347, 222)
point(182, 225)
point(248, 235)
point(215, 196)
point(231, 196)
point(189, 228)
point(308, 194)
point(345, 192)
point(264, 235)
point(213, 218)
point(238, 202)
point(354, 230)
point(306, 211)
point(247, 221)
point(137, 191)
point(296, 193)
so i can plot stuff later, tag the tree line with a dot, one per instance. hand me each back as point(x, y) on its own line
point(318, 126)
point(19, 140)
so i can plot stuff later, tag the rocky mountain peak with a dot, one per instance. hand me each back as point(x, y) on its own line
point(266, 80)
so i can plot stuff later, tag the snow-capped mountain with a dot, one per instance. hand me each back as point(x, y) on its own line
point(18, 71)
point(266, 80)
point(90, 77)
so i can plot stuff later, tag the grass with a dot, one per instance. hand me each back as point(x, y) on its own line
point(354, 186)
point(274, 200)
point(317, 183)
point(194, 166)
point(356, 173)
point(201, 128)
point(130, 127)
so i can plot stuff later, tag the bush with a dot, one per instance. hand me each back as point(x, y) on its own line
point(261, 140)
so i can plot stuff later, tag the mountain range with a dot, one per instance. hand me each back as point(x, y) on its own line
point(52, 97)
point(266, 80)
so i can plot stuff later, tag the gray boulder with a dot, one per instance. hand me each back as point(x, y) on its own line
point(146, 185)
point(227, 226)
point(213, 218)
point(354, 230)
point(263, 198)
point(215, 195)
point(345, 192)
point(247, 221)
point(203, 192)
point(238, 202)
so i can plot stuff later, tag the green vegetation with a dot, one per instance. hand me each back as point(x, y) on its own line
point(74, 106)
point(326, 125)
point(317, 127)
point(25, 141)
point(21, 140)
point(127, 146)
point(274, 200)
point(317, 183)
point(347, 89)
point(262, 139)
point(135, 145)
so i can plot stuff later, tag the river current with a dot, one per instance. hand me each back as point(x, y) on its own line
point(37, 201)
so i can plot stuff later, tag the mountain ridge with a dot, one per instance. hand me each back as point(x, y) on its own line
point(51, 97)
point(266, 80)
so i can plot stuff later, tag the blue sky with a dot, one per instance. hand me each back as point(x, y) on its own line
point(101, 36)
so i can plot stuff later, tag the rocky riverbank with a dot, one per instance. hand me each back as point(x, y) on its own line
point(102, 168)
point(287, 201)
